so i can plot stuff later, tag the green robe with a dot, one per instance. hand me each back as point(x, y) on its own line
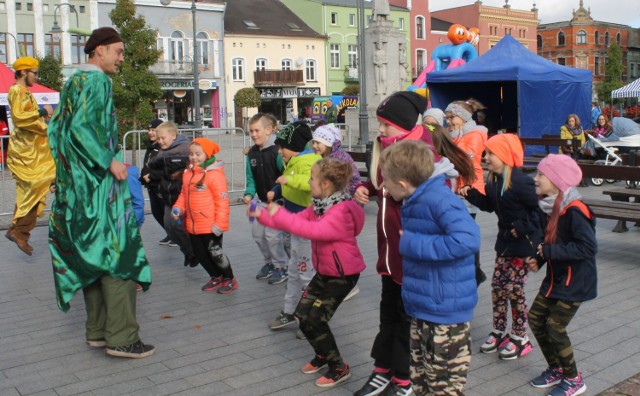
point(92, 228)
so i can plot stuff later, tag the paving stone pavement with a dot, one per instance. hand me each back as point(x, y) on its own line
point(214, 344)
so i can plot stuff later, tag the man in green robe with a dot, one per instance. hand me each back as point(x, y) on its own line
point(93, 237)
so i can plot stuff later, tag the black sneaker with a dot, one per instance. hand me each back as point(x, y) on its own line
point(397, 390)
point(375, 385)
point(137, 350)
point(165, 241)
point(282, 320)
point(316, 364)
point(334, 376)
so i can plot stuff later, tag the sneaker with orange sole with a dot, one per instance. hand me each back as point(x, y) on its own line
point(334, 376)
point(316, 364)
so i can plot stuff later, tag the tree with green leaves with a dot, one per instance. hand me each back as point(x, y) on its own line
point(50, 72)
point(612, 72)
point(135, 86)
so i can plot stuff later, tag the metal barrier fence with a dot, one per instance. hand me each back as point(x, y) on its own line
point(232, 142)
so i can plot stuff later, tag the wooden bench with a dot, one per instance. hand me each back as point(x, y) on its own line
point(621, 211)
point(363, 161)
point(623, 195)
point(548, 141)
point(618, 208)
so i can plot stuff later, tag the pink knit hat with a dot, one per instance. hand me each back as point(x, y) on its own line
point(561, 170)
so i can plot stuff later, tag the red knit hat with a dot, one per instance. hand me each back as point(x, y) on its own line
point(507, 147)
point(209, 147)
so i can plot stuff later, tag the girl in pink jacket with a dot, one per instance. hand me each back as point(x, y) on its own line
point(203, 206)
point(332, 223)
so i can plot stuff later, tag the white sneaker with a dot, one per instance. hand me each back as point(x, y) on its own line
point(352, 293)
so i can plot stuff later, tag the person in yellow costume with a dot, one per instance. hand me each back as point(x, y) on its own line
point(29, 157)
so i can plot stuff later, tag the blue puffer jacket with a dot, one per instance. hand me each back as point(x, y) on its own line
point(439, 239)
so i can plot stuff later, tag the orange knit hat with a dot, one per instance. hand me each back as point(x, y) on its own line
point(209, 147)
point(507, 147)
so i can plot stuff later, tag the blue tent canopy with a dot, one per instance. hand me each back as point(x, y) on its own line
point(522, 91)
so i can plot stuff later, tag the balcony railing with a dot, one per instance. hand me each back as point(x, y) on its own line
point(179, 68)
point(278, 77)
point(351, 74)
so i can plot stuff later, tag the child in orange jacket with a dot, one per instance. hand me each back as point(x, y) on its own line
point(204, 201)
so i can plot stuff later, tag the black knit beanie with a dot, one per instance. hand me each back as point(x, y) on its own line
point(294, 136)
point(402, 109)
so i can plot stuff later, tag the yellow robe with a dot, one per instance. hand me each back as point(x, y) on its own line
point(29, 156)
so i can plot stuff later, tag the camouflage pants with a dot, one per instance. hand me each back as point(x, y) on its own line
point(549, 319)
point(440, 357)
point(319, 302)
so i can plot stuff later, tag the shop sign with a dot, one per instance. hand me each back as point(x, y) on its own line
point(289, 92)
point(309, 92)
point(270, 93)
point(187, 84)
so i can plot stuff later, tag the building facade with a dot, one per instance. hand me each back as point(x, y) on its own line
point(583, 42)
point(419, 23)
point(275, 52)
point(174, 69)
point(26, 26)
point(338, 21)
point(493, 22)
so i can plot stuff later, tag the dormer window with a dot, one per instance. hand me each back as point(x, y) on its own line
point(250, 24)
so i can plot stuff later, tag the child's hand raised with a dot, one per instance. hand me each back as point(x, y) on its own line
point(273, 208)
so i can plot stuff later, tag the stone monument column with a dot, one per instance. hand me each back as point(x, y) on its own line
point(386, 69)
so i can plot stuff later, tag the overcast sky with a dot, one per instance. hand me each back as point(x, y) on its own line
point(626, 12)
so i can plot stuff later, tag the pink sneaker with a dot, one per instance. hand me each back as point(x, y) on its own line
point(516, 348)
point(227, 286)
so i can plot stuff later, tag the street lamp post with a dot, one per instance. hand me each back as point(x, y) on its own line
point(15, 40)
point(363, 116)
point(55, 29)
point(197, 120)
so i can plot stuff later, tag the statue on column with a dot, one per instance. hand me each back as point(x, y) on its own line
point(402, 60)
point(381, 10)
point(380, 68)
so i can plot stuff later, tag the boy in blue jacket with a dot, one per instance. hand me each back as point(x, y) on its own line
point(438, 243)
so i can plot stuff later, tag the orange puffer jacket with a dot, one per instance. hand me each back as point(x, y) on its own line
point(204, 199)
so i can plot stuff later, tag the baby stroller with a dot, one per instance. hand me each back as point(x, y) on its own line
point(606, 153)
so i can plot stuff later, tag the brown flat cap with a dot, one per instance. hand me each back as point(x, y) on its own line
point(102, 36)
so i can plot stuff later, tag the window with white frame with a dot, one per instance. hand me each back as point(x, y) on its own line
point(334, 18)
point(401, 23)
point(203, 48)
point(261, 64)
point(334, 50)
point(310, 70)
point(581, 37)
point(419, 27)
point(286, 64)
point(352, 19)
point(353, 55)
point(176, 47)
point(237, 69)
point(421, 60)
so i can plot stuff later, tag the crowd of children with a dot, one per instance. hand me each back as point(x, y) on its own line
point(305, 198)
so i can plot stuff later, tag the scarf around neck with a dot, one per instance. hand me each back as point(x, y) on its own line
point(321, 205)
